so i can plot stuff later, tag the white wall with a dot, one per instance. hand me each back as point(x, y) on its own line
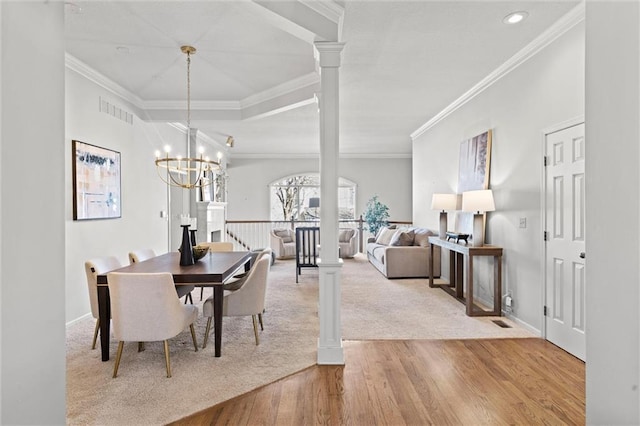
point(249, 181)
point(613, 189)
point(545, 90)
point(32, 369)
point(143, 192)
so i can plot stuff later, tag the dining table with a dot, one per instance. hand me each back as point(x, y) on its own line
point(211, 271)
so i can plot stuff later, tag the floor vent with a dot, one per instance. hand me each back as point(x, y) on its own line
point(501, 323)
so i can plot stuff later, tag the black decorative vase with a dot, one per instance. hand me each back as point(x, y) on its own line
point(193, 236)
point(186, 252)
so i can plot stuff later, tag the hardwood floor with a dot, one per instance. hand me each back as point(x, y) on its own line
point(420, 382)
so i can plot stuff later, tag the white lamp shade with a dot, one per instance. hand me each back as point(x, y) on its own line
point(444, 201)
point(478, 201)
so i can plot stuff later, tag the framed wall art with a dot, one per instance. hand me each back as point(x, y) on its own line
point(96, 182)
point(473, 173)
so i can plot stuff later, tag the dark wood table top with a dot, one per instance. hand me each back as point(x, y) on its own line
point(213, 268)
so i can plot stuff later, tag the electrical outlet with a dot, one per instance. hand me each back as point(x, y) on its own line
point(523, 222)
point(508, 301)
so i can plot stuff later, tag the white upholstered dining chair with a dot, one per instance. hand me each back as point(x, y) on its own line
point(216, 246)
point(141, 255)
point(93, 268)
point(249, 299)
point(159, 318)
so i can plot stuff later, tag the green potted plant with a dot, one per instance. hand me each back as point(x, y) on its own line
point(376, 215)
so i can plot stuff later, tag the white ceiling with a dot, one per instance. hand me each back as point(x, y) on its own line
point(253, 75)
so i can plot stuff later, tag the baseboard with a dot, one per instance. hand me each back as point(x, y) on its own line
point(78, 319)
point(522, 324)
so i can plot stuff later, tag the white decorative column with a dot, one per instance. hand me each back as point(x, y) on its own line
point(330, 350)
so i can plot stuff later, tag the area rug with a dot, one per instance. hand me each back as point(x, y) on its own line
point(372, 308)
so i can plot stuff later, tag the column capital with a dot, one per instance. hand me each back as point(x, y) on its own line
point(327, 53)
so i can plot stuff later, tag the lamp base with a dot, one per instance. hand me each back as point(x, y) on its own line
point(443, 225)
point(478, 230)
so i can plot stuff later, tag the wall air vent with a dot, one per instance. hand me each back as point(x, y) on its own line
point(115, 111)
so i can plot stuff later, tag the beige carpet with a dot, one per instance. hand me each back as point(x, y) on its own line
point(372, 308)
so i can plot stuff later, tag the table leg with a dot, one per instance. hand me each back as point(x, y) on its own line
point(459, 274)
point(452, 269)
point(431, 247)
point(497, 285)
point(104, 313)
point(469, 285)
point(218, 295)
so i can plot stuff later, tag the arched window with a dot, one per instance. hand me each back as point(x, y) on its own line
point(295, 197)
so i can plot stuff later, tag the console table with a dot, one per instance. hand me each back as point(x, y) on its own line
point(461, 260)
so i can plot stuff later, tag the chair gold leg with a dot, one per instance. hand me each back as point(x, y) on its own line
point(261, 324)
point(118, 356)
point(255, 329)
point(167, 360)
point(95, 334)
point(206, 333)
point(193, 336)
point(140, 346)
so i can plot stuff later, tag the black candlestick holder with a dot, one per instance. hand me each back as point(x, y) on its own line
point(186, 251)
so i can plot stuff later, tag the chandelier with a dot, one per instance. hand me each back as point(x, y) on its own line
point(186, 172)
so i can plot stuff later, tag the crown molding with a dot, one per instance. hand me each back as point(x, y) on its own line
point(195, 105)
point(311, 155)
point(307, 80)
point(327, 8)
point(89, 73)
point(561, 26)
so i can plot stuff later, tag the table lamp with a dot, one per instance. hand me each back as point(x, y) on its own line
point(443, 202)
point(479, 202)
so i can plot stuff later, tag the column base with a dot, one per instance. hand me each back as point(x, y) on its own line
point(330, 355)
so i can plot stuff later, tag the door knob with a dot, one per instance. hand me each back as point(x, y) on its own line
point(583, 255)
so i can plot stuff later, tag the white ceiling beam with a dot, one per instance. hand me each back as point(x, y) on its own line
point(309, 20)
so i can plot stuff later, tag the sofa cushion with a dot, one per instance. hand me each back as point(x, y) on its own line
point(422, 237)
point(402, 238)
point(385, 235)
point(345, 235)
point(285, 234)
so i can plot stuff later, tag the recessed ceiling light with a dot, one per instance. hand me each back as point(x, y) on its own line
point(515, 17)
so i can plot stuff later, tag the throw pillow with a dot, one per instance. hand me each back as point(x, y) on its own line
point(402, 238)
point(345, 235)
point(422, 237)
point(284, 234)
point(385, 236)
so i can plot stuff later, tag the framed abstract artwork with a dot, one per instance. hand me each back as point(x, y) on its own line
point(473, 173)
point(96, 182)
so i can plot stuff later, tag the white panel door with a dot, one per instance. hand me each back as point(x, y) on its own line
point(565, 246)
